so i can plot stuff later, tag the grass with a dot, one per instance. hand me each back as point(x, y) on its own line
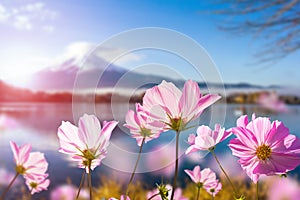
point(111, 188)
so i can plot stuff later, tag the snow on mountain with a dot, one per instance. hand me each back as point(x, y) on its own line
point(63, 76)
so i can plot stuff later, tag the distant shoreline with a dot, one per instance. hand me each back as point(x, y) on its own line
point(68, 97)
point(15, 94)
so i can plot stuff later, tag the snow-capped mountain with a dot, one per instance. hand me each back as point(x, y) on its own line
point(94, 69)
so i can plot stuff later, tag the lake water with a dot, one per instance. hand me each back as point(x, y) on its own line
point(37, 124)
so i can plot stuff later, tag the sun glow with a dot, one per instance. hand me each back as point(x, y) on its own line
point(15, 75)
point(18, 65)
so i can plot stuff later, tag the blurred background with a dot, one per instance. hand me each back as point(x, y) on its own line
point(253, 44)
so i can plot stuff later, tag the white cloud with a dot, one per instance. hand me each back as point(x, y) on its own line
point(38, 6)
point(28, 16)
point(15, 11)
point(78, 51)
point(4, 15)
point(74, 54)
point(82, 49)
point(48, 28)
point(22, 22)
point(2, 8)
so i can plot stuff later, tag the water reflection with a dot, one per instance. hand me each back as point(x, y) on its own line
point(37, 124)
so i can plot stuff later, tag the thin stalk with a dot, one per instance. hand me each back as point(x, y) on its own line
point(135, 167)
point(227, 177)
point(29, 194)
point(81, 183)
point(90, 183)
point(257, 194)
point(198, 192)
point(176, 166)
point(212, 197)
point(153, 196)
point(9, 186)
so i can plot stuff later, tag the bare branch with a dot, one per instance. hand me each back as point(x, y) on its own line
point(275, 21)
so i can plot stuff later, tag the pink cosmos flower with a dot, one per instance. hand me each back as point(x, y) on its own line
point(284, 188)
point(166, 103)
point(214, 188)
point(206, 138)
point(66, 192)
point(141, 126)
point(21, 154)
point(177, 194)
point(122, 198)
point(191, 139)
point(264, 148)
point(37, 184)
point(164, 163)
point(271, 101)
point(205, 178)
point(29, 164)
point(84, 194)
point(86, 144)
point(7, 122)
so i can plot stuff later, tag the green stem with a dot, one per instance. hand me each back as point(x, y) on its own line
point(135, 167)
point(198, 192)
point(81, 183)
point(90, 182)
point(176, 166)
point(212, 197)
point(227, 177)
point(257, 195)
point(9, 186)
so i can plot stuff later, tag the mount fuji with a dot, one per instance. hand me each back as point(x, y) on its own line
point(95, 69)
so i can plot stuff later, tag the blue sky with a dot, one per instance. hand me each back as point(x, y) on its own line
point(35, 32)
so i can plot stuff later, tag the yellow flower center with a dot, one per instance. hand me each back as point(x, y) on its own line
point(163, 192)
point(88, 154)
point(145, 132)
point(20, 169)
point(199, 185)
point(240, 198)
point(176, 124)
point(33, 185)
point(263, 152)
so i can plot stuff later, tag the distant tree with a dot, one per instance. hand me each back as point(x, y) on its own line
point(276, 21)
